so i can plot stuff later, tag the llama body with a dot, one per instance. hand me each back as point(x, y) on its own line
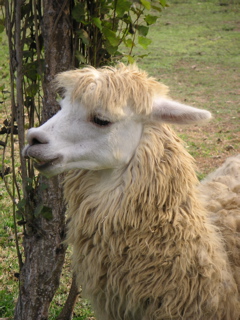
point(144, 247)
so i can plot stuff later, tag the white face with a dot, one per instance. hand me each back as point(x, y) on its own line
point(74, 139)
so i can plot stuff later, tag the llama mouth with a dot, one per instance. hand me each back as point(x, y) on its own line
point(43, 165)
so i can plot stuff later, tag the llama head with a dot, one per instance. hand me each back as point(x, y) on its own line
point(101, 120)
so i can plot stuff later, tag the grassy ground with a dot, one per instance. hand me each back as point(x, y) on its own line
point(195, 51)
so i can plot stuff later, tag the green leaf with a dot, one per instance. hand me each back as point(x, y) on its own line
point(111, 37)
point(44, 211)
point(38, 210)
point(150, 19)
point(107, 24)
point(84, 36)
point(144, 42)
point(143, 30)
point(78, 12)
point(29, 180)
point(27, 54)
point(163, 3)
point(47, 213)
point(146, 4)
point(131, 60)
point(143, 55)
point(21, 204)
point(97, 22)
point(129, 43)
point(1, 27)
point(110, 49)
point(80, 57)
point(32, 90)
point(127, 18)
point(19, 214)
point(159, 9)
point(31, 70)
point(25, 9)
point(122, 7)
point(43, 186)
point(29, 186)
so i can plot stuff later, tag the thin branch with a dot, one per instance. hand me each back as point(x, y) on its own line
point(12, 193)
point(14, 182)
point(36, 34)
point(59, 16)
point(9, 191)
point(114, 14)
point(66, 313)
point(19, 88)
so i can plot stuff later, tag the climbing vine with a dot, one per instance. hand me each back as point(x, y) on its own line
point(106, 31)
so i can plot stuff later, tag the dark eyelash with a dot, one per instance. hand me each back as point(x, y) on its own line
point(100, 122)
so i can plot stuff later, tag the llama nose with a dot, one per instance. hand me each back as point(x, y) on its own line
point(36, 136)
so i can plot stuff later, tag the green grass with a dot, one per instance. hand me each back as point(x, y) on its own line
point(82, 310)
point(195, 51)
point(7, 303)
point(192, 49)
point(191, 30)
point(4, 77)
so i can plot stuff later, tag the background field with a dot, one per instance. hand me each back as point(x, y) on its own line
point(195, 50)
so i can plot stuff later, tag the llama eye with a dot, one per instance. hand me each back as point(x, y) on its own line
point(100, 122)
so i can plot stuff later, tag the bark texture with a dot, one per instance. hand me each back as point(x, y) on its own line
point(57, 35)
point(44, 258)
point(44, 251)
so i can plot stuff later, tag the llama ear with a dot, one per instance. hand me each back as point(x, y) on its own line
point(174, 112)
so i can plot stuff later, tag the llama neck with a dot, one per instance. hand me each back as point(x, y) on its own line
point(157, 187)
point(145, 221)
point(147, 216)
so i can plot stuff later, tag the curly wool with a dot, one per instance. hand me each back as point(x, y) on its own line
point(143, 245)
point(221, 193)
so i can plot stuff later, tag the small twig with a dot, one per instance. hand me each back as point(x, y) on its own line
point(3, 176)
point(114, 14)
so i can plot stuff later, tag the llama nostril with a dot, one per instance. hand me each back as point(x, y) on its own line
point(36, 136)
point(35, 141)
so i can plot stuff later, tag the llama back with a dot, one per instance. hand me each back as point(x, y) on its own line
point(221, 193)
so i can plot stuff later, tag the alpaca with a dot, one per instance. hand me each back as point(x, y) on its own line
point(220, 191)
point(147, 245)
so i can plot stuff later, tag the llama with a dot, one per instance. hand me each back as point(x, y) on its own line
point(146, 245)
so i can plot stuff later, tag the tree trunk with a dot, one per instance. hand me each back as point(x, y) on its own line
point(44, 258)
point(57, 35)
point(44, 251)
